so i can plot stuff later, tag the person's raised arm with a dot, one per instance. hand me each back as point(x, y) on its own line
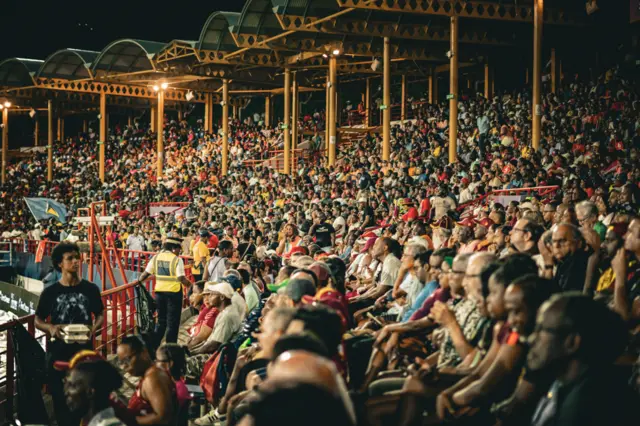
point(621, 302)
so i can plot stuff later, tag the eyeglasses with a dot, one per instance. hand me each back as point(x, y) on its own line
point(457, 272)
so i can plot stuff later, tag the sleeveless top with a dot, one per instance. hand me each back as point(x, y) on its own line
point(140, 406)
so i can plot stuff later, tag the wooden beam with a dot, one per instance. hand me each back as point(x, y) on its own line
point(463, 9)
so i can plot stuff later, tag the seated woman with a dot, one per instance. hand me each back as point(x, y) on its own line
point(154, 402)
point(172, 358)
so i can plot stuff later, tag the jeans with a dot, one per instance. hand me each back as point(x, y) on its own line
point(169, 308)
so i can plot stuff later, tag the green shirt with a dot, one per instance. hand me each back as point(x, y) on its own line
point(600, 229)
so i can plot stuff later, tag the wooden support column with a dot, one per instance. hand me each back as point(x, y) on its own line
point(50, 141)
point(526, 77)
point(160, 126)
point(235, 112)
point(538, 10)
point(5, 143)
point(180, 115)
point(403, 100)
point(453, 92)
point(435, 87)
point(153, 119)
point(267, 111)
point(36, 130)
point(85, 126)
point(334, 110)
point(287, 121)
point(554, 68)
point(60, 127)
point(207, 112)
point(294, 121)
point(103, 135)
point(431, 87)
point(487, 82)
point(327, 113)
point(367, 103)
point(225, 127)
point(386, 102)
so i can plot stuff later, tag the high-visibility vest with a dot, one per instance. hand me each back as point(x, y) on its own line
point(165, 264)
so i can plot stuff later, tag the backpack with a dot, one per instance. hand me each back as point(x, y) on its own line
point(217, 371)
point(145, 310)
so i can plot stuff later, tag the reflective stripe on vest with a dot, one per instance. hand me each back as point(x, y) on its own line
point(165, 264)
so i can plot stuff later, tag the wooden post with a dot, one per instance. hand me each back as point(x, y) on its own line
point(225, 126)
point(153, 119)
point(287, 121)
point(36, 130)
point(294, 121)
point(60, 135)
point(5, 143)
point(386, 101)
point(403, 100)
point(453, 92)
point(50, 141)
point(554, 77)
point(160, 126)
point(85, 126)
point(367, 103)
point(538, 10)
point(267, 111)
point(487, 83)
point(334, 110)
point(129, 120)
point(103, 135)
point(431, 88)
point(327, 110)
point(435, 87)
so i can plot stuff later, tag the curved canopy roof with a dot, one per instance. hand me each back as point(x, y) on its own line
point(215, 33)
point(18, 72)
point(70, 64)
point(126, 56)
point(257, 18)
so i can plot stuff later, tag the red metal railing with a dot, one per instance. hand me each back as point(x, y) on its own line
point(119, 318)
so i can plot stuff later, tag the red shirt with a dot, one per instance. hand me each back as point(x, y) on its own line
point(213, 242)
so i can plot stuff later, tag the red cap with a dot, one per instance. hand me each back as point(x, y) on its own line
point(468, 222)
point(82, 356)
point(486, 222)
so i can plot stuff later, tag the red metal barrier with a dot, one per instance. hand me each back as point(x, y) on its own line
point(119, 318)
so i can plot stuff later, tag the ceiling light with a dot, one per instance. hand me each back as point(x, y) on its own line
point(336, 52)
point(7, 104)
point(156, 88)
point(32, 113)
point(324, 55)
point(164, 86)
point(189, 96)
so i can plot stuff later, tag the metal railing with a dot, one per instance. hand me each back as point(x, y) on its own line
point(542, 191)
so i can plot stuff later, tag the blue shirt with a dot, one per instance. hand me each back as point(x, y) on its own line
point(427, 290)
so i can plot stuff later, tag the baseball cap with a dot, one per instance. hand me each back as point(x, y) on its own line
point(82, 356)
point(368, 244)
point(486, 222)
point(223, 288)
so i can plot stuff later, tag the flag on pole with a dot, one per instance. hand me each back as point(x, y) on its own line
point(45, 208)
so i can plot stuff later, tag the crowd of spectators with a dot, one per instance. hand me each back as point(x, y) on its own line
point(378, 292)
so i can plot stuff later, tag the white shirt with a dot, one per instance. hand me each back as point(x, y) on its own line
point(216, 267)
point(339, 224)
point(227, 324)
point(390, 268)
point(135, 242)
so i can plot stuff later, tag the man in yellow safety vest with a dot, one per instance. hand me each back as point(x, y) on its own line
point(168, 268)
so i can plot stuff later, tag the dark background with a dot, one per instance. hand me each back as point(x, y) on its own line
point(35, 29)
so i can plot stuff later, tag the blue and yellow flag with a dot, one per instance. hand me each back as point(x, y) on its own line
point(45, 208)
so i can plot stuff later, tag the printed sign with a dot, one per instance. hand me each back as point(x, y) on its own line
point(17, 300)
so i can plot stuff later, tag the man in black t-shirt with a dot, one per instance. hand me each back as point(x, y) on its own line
point(71, 300)
point(323, 232)
point(368, 215)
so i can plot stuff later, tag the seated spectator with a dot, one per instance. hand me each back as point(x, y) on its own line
point(172, 358)
point(226, 325)
point(576, 340)
point(154, 401)
point(88, 389)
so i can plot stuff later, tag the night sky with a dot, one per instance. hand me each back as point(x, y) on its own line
point(35, 29)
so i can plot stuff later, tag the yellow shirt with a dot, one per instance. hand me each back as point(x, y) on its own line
point(200, 254)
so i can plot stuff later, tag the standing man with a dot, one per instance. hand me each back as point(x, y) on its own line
point(168, 268)
point(71, 300)
point(483, 131)
point(200, 253)
point(324, 233)
point(218, 264)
